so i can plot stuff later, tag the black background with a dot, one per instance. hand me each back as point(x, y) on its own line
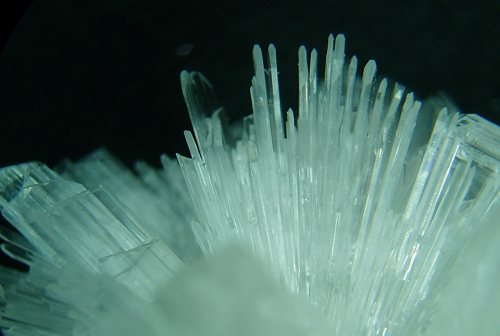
point(79, 74)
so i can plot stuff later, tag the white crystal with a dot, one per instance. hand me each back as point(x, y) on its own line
point(376, 208)
point(347, 207)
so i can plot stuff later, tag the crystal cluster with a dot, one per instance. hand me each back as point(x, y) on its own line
point(369, 213)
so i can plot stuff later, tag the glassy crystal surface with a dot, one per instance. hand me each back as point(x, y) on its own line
point(371, 213)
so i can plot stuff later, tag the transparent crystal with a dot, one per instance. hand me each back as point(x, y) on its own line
point(372, 213)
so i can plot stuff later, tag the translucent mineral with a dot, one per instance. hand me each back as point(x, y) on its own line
point(367, 212)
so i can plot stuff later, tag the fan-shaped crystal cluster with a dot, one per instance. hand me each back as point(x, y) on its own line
point(368, 214)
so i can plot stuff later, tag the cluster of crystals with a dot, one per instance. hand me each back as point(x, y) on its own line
point(85, 241)
point(362, 205)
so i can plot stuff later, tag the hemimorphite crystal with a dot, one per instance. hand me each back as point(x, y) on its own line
point(376, 208)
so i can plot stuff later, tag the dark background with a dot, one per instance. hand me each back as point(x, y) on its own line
point(79, 74)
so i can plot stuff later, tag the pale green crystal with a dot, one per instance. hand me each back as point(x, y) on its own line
point(371, 212)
